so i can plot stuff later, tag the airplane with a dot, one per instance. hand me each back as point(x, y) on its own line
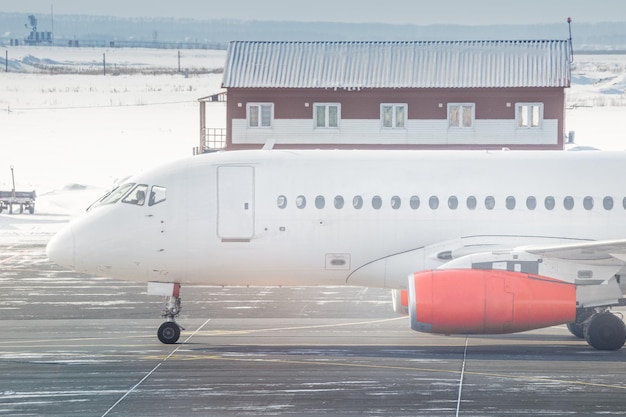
point(468, 242)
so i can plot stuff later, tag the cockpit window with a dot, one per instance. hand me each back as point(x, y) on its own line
point(114, 195)
point(157, 195)
point(137, 196)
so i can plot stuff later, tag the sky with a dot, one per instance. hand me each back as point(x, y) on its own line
point(418, 12)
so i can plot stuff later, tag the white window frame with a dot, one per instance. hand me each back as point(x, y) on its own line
point(529, 115)
point(254, 115)
point(325, 107)
point(395, 122)
point(466, 111)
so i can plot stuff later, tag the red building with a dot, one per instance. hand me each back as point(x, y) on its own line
point(400, 95)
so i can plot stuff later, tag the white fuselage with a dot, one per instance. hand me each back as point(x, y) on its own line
point(257, 218)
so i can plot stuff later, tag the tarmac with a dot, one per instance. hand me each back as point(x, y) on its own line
point(74, 345)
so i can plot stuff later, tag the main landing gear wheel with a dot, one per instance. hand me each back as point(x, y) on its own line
point(605, 331)
point(169, 333)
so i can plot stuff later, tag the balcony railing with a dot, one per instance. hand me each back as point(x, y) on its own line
point(212, 139)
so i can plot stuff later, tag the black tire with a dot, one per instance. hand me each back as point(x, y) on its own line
point(605, 331)
point(576, 329)
point(31, 209)
point(168, 333)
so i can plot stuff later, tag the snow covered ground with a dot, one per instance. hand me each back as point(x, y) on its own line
point(71, 136)
point(70, 132)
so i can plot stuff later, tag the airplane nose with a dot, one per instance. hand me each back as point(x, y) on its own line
point(60, 249)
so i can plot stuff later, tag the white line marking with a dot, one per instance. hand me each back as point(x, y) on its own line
point(154, 369)
point(10, 257)
point(458, 401)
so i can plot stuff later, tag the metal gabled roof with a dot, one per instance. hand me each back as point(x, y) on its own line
point(398, 64)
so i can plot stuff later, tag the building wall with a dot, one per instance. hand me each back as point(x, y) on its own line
point(427, 125)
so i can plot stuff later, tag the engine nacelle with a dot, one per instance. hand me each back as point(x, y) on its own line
point(400, 300)
point(472, 301)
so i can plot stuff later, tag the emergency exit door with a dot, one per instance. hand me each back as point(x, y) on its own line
point(235, 202)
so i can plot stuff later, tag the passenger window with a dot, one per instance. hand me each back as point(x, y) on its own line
point(549, 203)
point(396, 202)
point(568, 202)
point(281, 202)
point(157, 195)
point(433, 202)
point(471, 202)
point(320, 202)
point(490, 202)
point(338, 202)
point(531, 203)
point(301, 201)
point(357, 202)
point(588, 203)
point(510, 202)
point(137, 196)
point(453, 202)
point(607, 203)
point(377, 202)
point(414, 202)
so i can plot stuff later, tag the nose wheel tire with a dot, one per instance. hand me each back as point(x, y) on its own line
point(169, 333)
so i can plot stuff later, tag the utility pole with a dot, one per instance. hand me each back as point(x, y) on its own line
point(104, 64)
point(6, 60)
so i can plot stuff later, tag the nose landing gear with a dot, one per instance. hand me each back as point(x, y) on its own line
point(169, 332)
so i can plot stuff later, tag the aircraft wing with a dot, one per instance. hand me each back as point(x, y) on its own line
point(582, 251)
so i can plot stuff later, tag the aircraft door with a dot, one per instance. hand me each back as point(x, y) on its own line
point(235, 202)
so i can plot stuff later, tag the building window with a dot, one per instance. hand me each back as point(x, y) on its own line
point(260, 114)
point(393, 116)
point(529, 115)
point(327, 115)
point(461, 115)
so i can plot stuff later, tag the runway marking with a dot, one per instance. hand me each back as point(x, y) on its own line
point(10, 257)
point(154, 369)
point(458, 402)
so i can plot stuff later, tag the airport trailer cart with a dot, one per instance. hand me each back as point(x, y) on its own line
point(25, 200)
